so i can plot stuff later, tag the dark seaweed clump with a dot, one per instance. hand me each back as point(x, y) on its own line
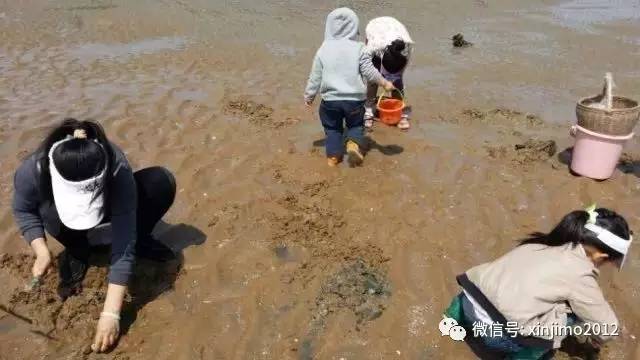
point(460, 42)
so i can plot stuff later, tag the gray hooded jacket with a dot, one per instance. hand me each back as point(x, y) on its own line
point(342, 64)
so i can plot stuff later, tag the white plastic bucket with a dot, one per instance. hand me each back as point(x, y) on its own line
point(596, 155)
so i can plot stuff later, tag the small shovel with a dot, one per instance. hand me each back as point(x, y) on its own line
point(35, 283)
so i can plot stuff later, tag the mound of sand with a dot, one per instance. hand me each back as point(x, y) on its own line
point(531, 151)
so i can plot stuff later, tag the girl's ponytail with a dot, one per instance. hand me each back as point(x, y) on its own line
point(393, 59)
point(571, 229)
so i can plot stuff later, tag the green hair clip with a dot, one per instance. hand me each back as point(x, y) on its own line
point(593, 214)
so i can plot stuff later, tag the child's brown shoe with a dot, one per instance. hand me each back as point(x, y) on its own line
point(355, 155)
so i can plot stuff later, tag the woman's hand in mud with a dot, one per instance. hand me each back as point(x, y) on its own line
point(388, 86)
point(107, 333)
point(308, 103)
point(108, 328)
point(43, 257)
point(41, 265)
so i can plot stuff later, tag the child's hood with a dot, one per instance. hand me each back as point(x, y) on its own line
point(342, 23)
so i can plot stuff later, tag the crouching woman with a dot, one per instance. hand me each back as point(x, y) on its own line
point(75, 181)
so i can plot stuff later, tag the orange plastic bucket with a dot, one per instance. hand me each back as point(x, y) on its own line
point(390, 110)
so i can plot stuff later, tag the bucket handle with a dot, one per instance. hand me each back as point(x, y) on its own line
point(573, 131)
point(384, 92)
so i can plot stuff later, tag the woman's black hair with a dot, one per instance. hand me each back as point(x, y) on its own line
point(571, 229)
point(394, 60)
point(76, 159)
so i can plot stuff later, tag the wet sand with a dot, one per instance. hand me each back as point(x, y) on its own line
point(284, 258)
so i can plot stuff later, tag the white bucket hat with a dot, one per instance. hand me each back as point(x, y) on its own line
point(78, 206)
point(382, 31)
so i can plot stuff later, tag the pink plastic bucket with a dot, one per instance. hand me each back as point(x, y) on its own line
point(596, 155)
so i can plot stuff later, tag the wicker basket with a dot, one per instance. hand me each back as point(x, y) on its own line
point(619, 121)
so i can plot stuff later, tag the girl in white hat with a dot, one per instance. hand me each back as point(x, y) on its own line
point(390, 45)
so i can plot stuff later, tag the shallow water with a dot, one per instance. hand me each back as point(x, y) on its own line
point(584, 14)
point(121, 52)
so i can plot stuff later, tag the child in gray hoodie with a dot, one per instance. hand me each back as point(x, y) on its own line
point(340, 68)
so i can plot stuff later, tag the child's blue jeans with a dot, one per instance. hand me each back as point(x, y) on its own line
point(505, 343)
point(334, 115)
